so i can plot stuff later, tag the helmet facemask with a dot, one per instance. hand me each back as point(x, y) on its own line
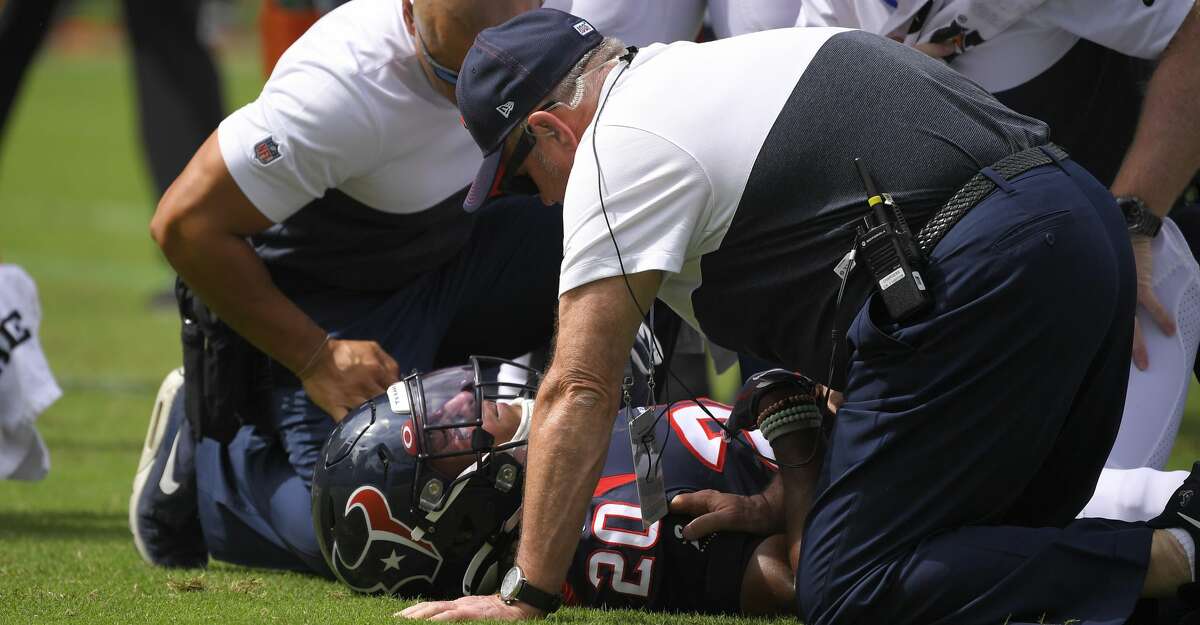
point(374, 531)
point(448, 408)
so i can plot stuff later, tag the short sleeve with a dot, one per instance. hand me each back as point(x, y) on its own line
point(1138, 29)
point(656, 197)
point(308, 132)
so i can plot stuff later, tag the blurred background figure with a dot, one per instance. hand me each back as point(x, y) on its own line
point(281, 22)
point(730, 18)
point(637, 22)
point(27, 387)
point(179, 95)
point(178, 89)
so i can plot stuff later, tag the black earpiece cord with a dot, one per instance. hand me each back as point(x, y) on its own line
point(654, 346)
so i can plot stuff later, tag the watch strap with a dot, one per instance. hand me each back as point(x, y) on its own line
point(1138, 218)
point(528, 593)
point(538, 598)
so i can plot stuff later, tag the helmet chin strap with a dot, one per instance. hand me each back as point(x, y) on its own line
point(482, 575)
point(520, 435)
point(522, 432)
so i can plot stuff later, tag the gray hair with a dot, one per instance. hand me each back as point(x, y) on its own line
point(572, 89)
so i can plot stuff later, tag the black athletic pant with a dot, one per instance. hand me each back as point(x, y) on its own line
point(179, 95)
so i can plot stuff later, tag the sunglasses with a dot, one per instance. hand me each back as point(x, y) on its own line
point(512, 183)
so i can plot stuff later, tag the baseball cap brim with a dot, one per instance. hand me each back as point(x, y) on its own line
point(486, 180)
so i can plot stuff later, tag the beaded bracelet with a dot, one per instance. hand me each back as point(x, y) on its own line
point(788, 420)
point(786, 402)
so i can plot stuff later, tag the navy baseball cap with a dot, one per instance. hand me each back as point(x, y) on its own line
point(510, 69)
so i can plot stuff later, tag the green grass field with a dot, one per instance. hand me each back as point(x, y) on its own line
point(74, 205)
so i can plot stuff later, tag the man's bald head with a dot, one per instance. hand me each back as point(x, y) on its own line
point(448, 27)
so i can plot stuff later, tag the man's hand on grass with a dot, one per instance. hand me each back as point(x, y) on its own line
point(472, 608)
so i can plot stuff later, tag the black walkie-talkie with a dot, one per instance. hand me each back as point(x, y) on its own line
point(891, 253)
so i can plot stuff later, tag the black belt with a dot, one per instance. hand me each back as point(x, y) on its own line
point(979, 187)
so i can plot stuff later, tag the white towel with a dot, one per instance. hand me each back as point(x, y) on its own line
point(27, 387)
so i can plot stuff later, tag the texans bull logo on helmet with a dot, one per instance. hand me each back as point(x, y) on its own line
point(413, 496)
point(389, 554)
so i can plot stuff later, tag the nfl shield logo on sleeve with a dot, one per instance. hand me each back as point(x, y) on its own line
point(266, 151)
point(583, 28)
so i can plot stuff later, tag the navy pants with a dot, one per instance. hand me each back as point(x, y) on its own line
point(498, 297)
point(971, 437)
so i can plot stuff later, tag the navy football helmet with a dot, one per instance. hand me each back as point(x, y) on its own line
point(412, 496)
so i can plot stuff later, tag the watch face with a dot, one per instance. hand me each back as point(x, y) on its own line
point(512, 579)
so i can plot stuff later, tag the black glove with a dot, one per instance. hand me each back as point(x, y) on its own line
point(746, 408)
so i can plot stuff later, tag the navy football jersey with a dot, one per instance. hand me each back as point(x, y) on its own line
point(618, 564)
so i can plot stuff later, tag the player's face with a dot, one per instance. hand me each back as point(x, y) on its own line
point(500, 419)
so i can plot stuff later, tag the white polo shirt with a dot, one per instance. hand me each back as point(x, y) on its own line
point(1026, 48)
point(729, 166)
point(349, 108)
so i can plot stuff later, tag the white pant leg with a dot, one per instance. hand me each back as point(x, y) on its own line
point(1156, 397)
point(1132, 494)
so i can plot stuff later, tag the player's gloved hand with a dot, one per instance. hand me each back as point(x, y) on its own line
point(1143, 256)
point(471, 608)
point(345, 374)
point(716, 511)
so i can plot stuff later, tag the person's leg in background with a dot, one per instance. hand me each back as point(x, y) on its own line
point(1186, 216)
point(254, 506)
point(23, 27)
point(179, 94)
point(1132, 494)
point(1156, 398)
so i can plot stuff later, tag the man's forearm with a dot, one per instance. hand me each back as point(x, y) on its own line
point(804, 452)
point(567, 449)
point(231, 279)
point(1165, 153)
point(200, 225)
point(572, 426)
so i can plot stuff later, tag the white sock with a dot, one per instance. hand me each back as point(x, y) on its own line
point(1189, 547)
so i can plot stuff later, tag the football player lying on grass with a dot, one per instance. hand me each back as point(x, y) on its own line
point(419, 493)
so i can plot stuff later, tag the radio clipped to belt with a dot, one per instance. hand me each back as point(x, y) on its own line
point(227, 381)
point(888, 247)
